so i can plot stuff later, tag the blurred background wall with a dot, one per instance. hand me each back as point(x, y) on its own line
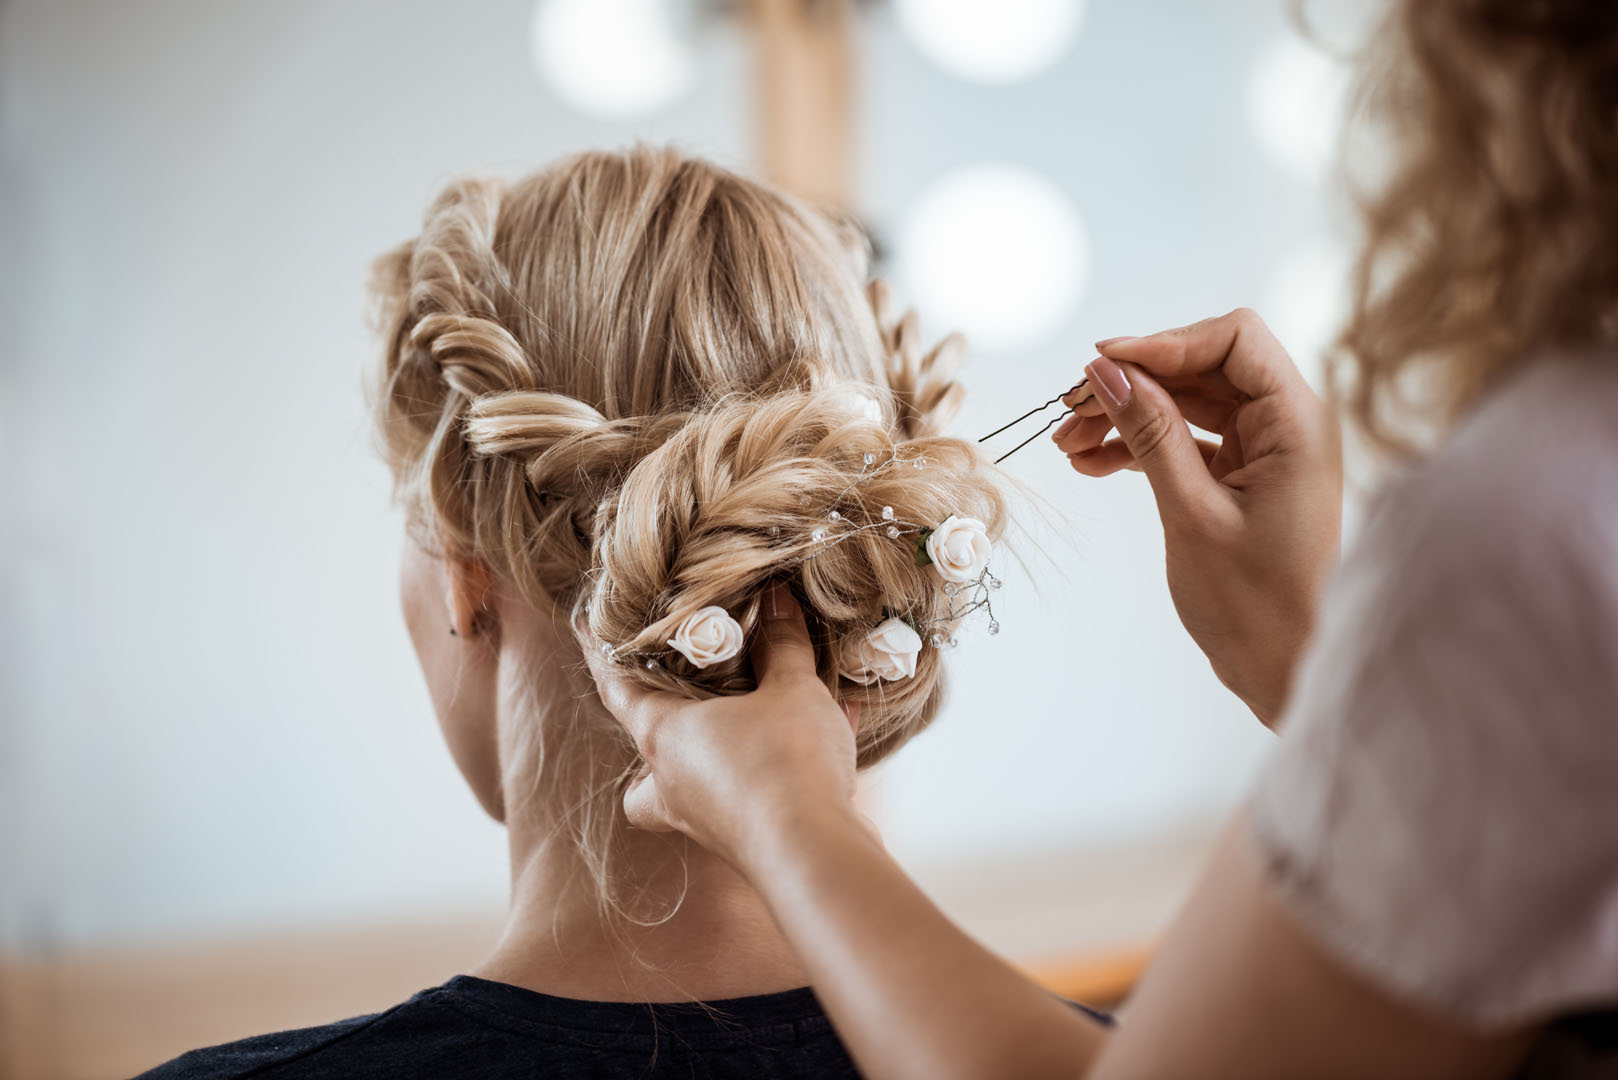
point(213, 722)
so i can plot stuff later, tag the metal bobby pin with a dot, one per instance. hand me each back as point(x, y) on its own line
point(1081, 384)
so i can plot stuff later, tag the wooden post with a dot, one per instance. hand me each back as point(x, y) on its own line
point(805, 96)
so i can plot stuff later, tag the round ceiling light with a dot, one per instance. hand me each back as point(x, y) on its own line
point(1296, 102)
point(611, 58)
point(1003, 42)
point(996, 251)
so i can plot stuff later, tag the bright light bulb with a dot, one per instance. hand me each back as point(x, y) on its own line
point(1296, 102)
point(996, 251)
point(1003, 42)
point(612, 58)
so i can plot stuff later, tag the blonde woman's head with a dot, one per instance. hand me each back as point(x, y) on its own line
point(635, 385)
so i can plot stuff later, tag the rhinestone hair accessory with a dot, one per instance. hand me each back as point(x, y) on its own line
point(965, 592)
point(889, 523)
point(957, 548)
point(1082, 388)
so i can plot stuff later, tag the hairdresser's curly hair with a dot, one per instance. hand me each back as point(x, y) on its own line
point(634, 384)
point(1491, 243)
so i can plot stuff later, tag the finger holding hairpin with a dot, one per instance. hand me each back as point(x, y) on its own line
point(1082, 400)
point(1114, 455)
point(1104, 460)
point(1085, 434)
point(1077, 400)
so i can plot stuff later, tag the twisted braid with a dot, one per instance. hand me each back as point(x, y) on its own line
point(569, 457)
point(475, 354)
point(565, 447)
point(923, 383)
point(454, 276)
point(731, 500)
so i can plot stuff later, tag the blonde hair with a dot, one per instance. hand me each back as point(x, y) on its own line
point(634, 385)
point(1490, 243)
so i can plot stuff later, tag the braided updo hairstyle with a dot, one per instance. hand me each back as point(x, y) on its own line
point(634, 385)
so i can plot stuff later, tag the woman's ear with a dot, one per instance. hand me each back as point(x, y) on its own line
point(469, 598)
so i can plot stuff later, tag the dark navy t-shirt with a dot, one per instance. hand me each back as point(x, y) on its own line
point(472, 1027)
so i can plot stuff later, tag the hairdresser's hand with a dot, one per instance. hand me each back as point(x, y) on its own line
point(1250, 523)
point(731, 771)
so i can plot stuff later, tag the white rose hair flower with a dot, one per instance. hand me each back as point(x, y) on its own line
point(708, 637)
point(959, 549)
point(858, 400)
point(888, 652)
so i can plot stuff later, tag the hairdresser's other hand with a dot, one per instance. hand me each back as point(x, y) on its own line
point(732, 771)
point(1250, 523)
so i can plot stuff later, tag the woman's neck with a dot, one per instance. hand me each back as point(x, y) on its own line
point(720, 942)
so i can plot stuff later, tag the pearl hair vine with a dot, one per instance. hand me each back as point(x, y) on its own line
point(957, 548)
point(890, 523)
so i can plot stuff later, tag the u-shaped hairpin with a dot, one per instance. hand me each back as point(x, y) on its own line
point(1084, 391)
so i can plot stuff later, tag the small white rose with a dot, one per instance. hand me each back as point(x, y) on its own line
point(959, 548)
point(707, 637)
point(887, 652)
point(859, 401)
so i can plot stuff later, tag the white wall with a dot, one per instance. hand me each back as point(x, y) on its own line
point(212, 716)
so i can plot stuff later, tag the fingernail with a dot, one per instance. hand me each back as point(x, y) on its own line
point(1110, 382)
point(1066, 426)
point(774, 601)
point(1105, 342)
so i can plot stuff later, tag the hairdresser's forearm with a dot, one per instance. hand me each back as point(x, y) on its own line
point(911, 995)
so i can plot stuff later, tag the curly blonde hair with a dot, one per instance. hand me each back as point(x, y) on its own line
point(634, 385)
point(1490, 243)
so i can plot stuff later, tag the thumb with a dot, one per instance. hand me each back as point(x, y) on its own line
point(643, 805)
point(1156, 433)
point(782, 647)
